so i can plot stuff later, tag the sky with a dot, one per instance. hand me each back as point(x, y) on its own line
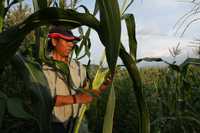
point(155, 29)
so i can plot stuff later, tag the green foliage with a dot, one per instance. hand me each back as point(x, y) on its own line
point(130, 23)
point(37, 84)
point(12, 87)
point(110, 30)
point(69, 17)
point(109, 114)
point(130, 63)
point(85, 42)
point(173, 102)
point(15, 108)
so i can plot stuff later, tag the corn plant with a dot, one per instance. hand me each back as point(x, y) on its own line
point(109, 31)
point(175, 95)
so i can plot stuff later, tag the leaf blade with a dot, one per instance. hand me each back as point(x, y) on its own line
point(110, 30)
point(15, 108)
point(37, 84)
point(130, 24)
point(109, 115)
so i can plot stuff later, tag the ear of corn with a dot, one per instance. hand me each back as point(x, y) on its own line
point(100, 75)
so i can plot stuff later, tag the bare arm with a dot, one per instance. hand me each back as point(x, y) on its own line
point(82, 98)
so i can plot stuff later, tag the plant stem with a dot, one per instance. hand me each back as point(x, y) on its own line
point(2, 9)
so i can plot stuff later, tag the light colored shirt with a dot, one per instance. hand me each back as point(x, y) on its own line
point(59, 86)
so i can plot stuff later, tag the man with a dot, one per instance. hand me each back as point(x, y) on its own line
point(63, 84)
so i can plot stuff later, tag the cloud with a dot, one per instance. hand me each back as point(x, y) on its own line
point(150, 29)
point(154, 29)
point(158, 46)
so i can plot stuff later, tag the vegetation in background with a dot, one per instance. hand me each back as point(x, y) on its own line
point(173, 102)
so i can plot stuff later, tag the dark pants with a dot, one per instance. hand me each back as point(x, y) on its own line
point(58, 128)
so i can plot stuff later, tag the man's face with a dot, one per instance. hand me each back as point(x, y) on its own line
point(62, 47)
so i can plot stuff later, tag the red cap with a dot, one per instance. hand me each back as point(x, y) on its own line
point(61, 32)
point(58, 35)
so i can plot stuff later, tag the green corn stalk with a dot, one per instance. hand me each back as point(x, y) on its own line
point(130, 63)
point(80, 118)
point(38, 4)
point(2, 11)
point(1, 23)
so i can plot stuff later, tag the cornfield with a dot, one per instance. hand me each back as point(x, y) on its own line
point(139, 101)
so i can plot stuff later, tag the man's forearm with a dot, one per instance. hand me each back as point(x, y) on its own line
point(73, 99)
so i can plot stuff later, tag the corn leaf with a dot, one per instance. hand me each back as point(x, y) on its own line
point(110, 31)
point(37, 84)
point(188, 61)
point(86, 43)
point(143, 116)
point(148, 59)
point(96, 8)
point(130, 24)
point(126, 4)
point(110, 110)
point(99, 78)
point(11, 39)
point(35, 5)
point(16, 109)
